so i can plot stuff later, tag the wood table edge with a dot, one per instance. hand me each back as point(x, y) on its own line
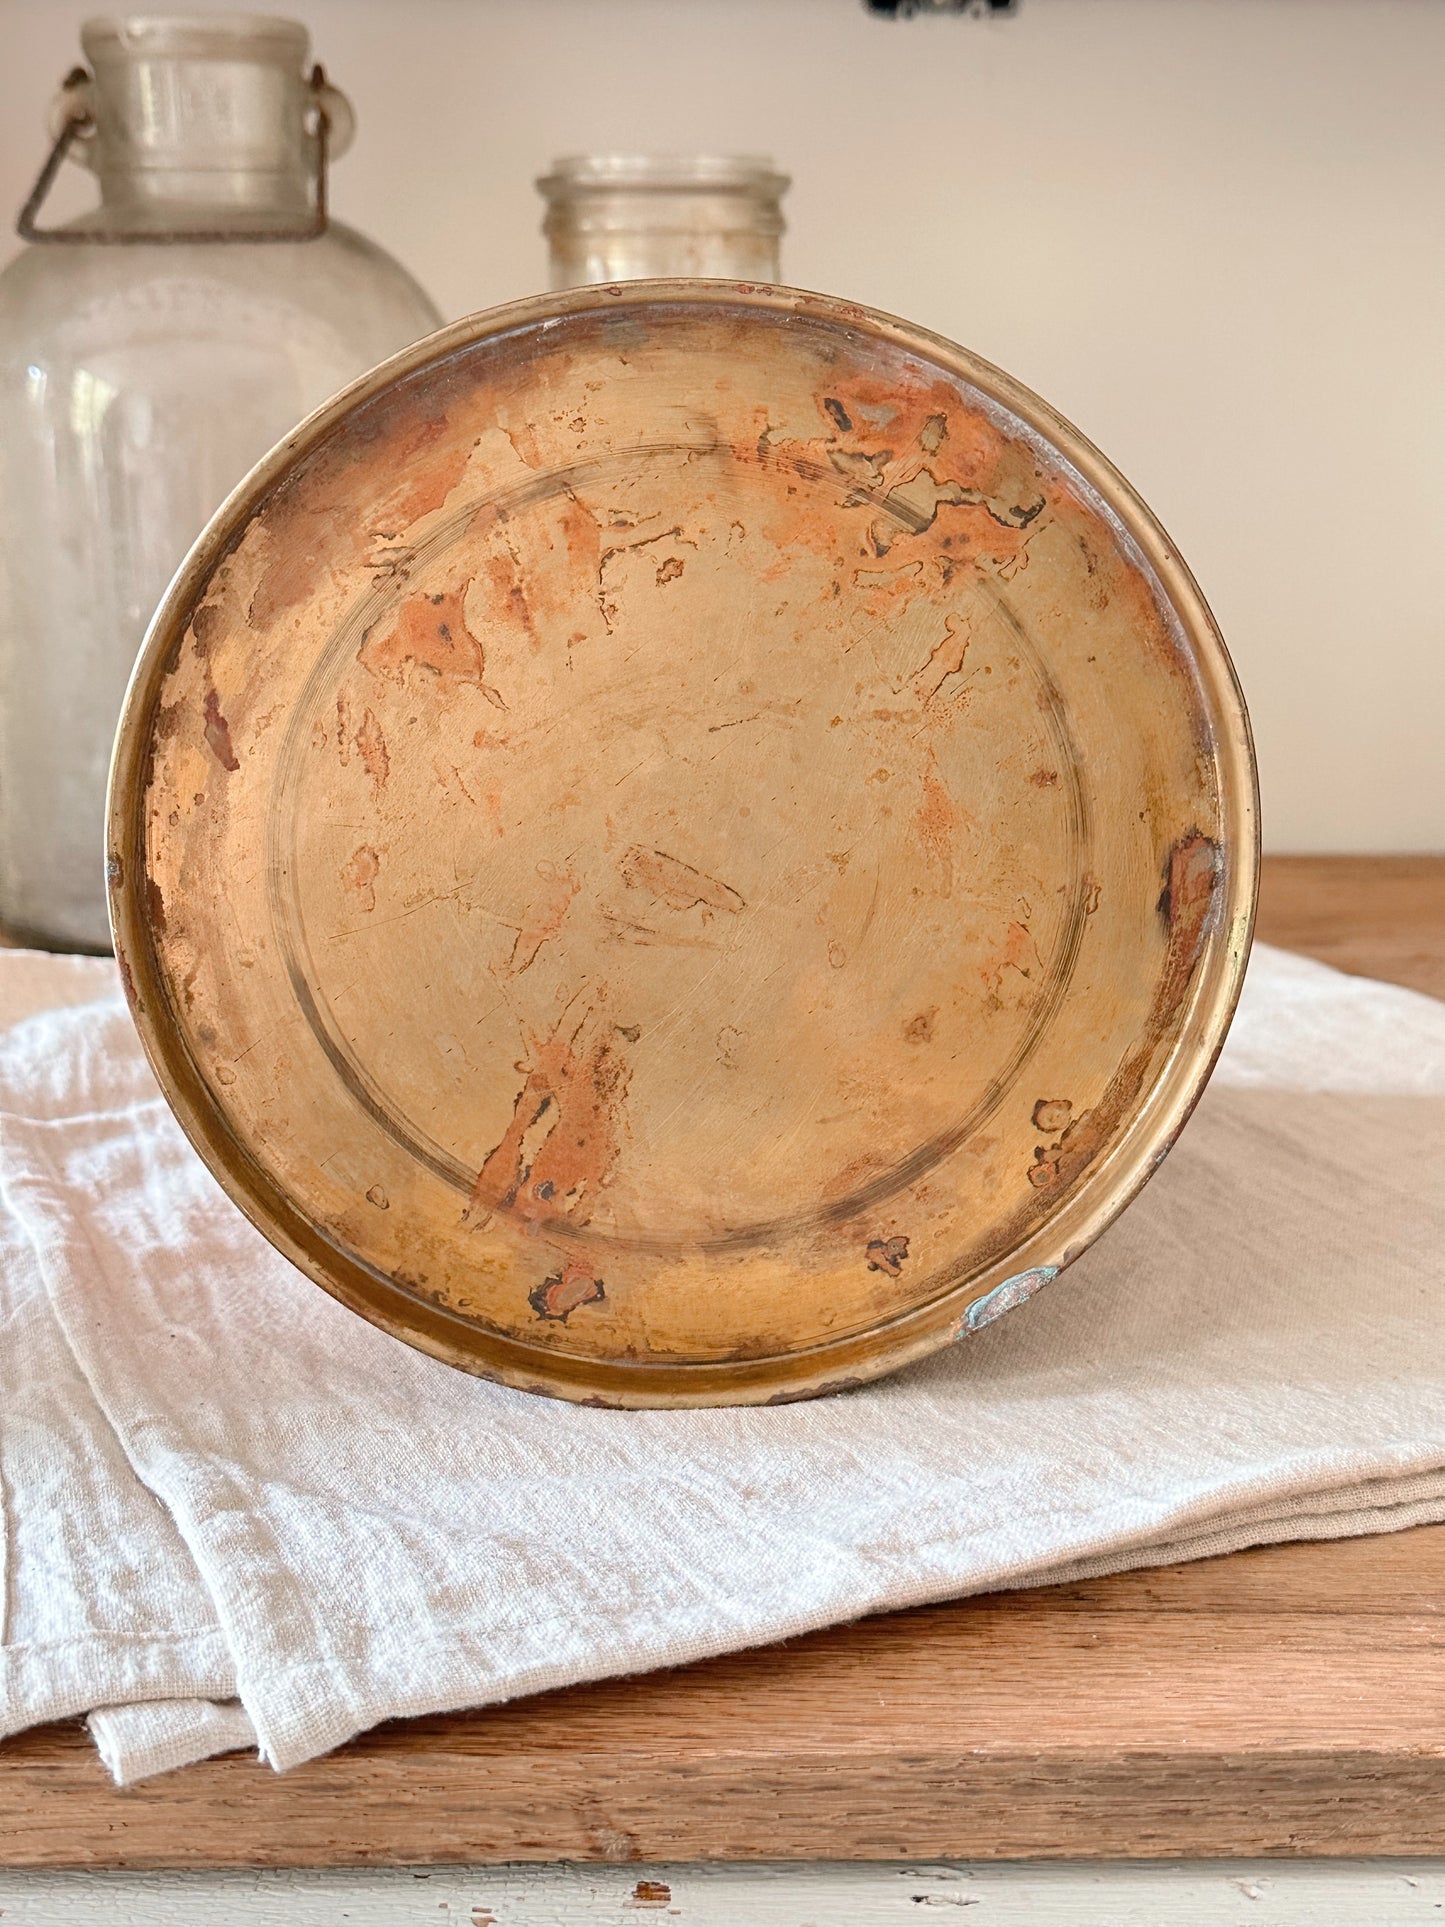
point(938, 1804)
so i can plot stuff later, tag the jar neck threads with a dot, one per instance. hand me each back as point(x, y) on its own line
point(634, 217)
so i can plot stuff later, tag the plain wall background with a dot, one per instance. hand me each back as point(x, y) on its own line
point(1212, 232)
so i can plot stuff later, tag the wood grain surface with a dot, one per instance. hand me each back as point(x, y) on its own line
point(1378, 916)
point(1286, 1701)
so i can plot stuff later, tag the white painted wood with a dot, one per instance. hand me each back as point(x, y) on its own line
point(1317, 1893)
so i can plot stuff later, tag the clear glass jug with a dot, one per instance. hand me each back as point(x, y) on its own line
point(146, 362)
point(618, 217)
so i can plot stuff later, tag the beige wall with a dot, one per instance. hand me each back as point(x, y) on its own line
point(1210, 231)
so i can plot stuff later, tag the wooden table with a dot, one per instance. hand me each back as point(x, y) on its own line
point(1287, 1701)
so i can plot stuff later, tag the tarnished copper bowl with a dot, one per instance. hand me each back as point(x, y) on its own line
point(683, 844)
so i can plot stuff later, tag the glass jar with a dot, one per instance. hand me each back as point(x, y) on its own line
point(617, 217)
point(187, 323)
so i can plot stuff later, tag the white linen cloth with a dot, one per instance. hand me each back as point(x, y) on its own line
point(338, 1530)
point(99, 1598)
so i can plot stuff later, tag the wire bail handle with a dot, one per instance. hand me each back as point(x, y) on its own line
point(72, 119)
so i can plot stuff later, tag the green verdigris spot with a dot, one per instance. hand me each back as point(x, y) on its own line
point(1013, 1291)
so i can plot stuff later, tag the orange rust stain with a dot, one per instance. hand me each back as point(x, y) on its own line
point(127, 981)
point(218, 733)
point(991, 541)
point(1052, 1114)
point(1017, 952)
point(547, 915)
point(884, 593)
point(430, 635)
point(552, 563)
point(408, 460)
point(1191, 873)
point(371, 747)
point(914, 459)
point(429, 483)
point(901, 410)
point(937, 820)
point(945, 661)
point(887, 1255)
point(581, 536)
point(360, 874)
point(566, 1127)
point(368, 742)
point(523, 437)
point(566, 1291)
point(919, 1029)
point(505, 578)
point(206, 626)
point(288, 577)
point(859, 1171)
point(1190, 877)
point(676, 884)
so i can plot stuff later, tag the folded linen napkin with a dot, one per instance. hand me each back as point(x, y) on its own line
point(1254, 1352)
point(99, 1599)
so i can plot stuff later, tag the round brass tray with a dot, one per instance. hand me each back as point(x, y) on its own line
point(682, 844)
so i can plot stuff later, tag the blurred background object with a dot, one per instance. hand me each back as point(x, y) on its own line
point(907, 9)
point(149, 355)
point(625, 217)
point(1209, 231)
